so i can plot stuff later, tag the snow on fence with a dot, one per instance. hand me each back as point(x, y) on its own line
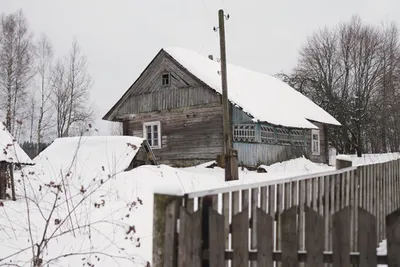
point(302, 219)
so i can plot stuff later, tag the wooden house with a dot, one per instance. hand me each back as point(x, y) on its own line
point(11, 154)
point(176, 105)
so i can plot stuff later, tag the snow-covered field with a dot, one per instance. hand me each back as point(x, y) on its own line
point(83, 209)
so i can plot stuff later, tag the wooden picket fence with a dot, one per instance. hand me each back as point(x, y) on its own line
point(329, 219)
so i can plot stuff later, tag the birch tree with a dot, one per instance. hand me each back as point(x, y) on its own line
point(44, 55)
point(16, 67)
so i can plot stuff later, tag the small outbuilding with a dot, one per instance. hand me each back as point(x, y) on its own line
point(93, 156)
point(11, 155)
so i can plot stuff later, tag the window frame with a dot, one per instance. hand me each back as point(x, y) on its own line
point(153, 123)
point(169, 79)
point(315, 132)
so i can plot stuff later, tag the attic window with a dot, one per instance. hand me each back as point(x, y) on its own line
point(166, 79)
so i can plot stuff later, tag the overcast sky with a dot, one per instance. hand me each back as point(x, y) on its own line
point(120, 37)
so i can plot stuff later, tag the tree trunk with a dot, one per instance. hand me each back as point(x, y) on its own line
point(3, 179)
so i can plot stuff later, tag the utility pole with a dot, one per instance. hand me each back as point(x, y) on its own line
point(230, 155)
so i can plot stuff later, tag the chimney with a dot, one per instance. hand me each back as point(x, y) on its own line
point(210, 57)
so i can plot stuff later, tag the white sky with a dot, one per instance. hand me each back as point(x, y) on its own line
point(120, 37)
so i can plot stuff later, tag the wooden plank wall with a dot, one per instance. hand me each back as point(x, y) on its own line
point(252, 154)
point(331, 206)
point(187, 134)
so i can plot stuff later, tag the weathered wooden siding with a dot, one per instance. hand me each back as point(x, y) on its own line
point(168, 99)
point(189, 135)
point(148, 94)
point(150, 80)
point(324, 148)
point(238, 116)
point(253, 154)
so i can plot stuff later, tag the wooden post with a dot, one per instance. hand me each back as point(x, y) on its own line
point(165, 215)
point(3, 179)
point(229, 154)
point(13, 195)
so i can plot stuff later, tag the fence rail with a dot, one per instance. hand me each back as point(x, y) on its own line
point(334, 219)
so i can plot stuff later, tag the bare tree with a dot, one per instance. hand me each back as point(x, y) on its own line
point(15, 66)
point(116, 128)
point(44, 54)
point(32, 117)
point(62, 208)
point(71, 84)
point(352, 72)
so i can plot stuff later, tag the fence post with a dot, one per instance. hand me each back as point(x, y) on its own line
point(161, 202)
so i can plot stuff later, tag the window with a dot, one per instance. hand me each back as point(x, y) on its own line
point(244, 133)
point(297, 137)
point(268, 135)
point(315, 142)
point(165, 79)
point(283, 136)
point(152, 132)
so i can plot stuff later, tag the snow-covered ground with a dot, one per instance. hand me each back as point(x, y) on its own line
point(81, 207)
point(367, 159)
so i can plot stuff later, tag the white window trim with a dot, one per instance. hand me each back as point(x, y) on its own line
point(318, 152)
point(151, 123)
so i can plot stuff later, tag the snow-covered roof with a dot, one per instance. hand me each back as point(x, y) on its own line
point(88, 155)
point(10, 151)
point(264, 97)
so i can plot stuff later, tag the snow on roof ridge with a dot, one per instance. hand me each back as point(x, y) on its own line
point(10, 150)
point(89, 155)
point(286, 107)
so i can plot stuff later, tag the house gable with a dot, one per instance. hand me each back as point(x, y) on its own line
point(148, 94)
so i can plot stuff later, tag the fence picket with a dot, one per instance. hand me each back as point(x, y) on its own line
point(341, 238)
point(185, 239)
point(245, 199)
point(227, 216)
point(254, 218)
point(265, 245)
point(393, 238)
point(279, 209)
point(217, 234)
point(302, 202)
point(264, 198)
point(170, 240)
point(294, 194)
point(314, 193)
point(240, 238)
point(331, 207)
point(315, 238)
point(289, 238)
point(197, 239)
point(367, 238)
point(288, 191)
point(320, 205)
point(326, 211)
point(337, 180)
point(271, 200)
point(381, 205)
